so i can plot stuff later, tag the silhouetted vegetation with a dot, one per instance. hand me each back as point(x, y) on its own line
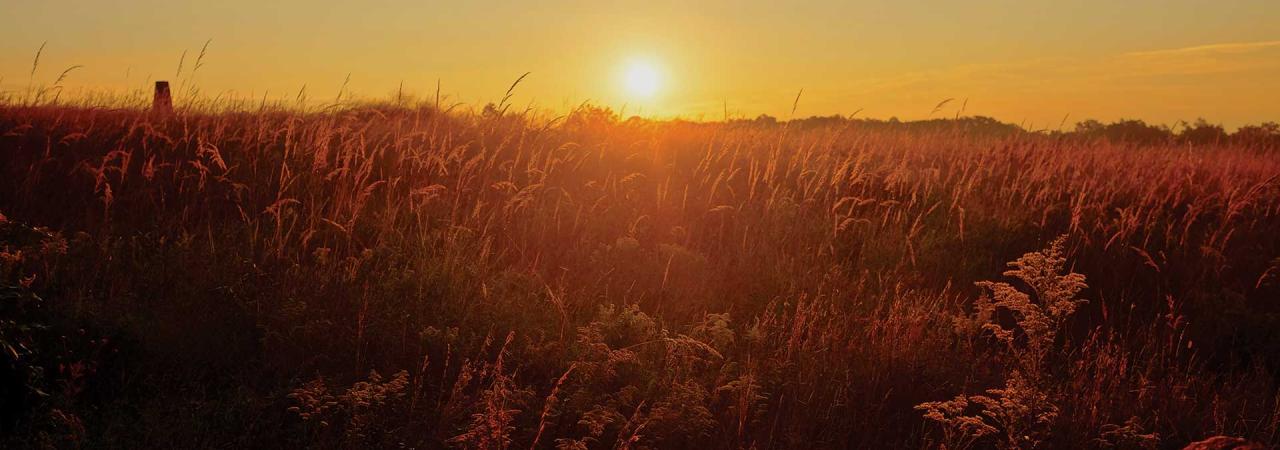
point(401, 276)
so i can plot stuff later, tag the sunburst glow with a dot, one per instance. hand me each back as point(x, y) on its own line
point(641, 79)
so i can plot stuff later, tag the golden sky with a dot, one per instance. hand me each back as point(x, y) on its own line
point(1028, 61)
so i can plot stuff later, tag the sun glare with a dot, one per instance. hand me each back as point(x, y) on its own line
point(642, 80)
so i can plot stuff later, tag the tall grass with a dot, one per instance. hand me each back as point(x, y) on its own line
point(242, 276)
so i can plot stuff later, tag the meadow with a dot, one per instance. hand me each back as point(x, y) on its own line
point(406, 275)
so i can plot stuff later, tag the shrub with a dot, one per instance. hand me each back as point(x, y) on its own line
point(1021, 414)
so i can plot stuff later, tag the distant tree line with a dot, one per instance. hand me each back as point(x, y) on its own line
point(972, 125)
point(1200, 132)
point(1124, 131)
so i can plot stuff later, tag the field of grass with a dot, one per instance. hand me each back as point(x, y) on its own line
point(382, 276)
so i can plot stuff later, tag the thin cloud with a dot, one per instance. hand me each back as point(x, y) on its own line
point(1233, 47)
point(1203, 59)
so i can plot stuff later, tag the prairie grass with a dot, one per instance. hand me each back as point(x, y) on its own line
point(248, 275)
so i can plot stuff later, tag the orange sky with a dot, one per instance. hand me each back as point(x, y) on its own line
point(1026, 62)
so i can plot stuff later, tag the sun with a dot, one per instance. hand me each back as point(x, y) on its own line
point(641, 79)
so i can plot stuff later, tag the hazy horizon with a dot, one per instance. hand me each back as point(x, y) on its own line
point(1033, 64)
